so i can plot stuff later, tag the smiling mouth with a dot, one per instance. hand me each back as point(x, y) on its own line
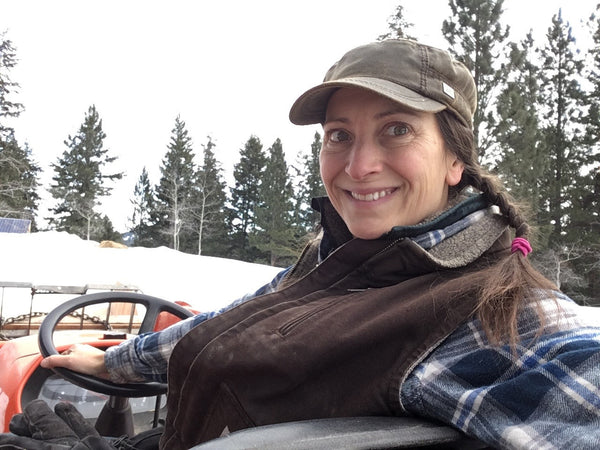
point(373, 196)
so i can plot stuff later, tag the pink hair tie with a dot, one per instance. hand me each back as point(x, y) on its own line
point(522, 245)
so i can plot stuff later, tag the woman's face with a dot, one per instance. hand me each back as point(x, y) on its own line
point(383, 165)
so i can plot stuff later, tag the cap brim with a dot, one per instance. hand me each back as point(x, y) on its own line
point(310, 107)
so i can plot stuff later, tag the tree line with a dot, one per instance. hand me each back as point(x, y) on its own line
point(263, 218)
point(537, 127)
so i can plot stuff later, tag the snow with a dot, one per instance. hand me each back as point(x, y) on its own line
point(61, 259)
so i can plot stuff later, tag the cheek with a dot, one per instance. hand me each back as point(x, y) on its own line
point(424, 175)
point(410, 167)
point(323, 168)
point(328, 169)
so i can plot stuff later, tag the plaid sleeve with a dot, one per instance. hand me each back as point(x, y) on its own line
point(545, 394)
point(145, 357)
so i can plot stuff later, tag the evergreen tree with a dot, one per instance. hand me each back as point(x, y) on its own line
point(274, 234)
point(207, 216)
point(518, 129)
point(248, 174)
point(566, 186)
point(591, 202)
point(18, 181)
point(79, 180)
point(8, 108)
point(586, 214)
point(477, 39)
point(562, 98)
point(592, 120)
point(398, 26)
point(19, 174)
point(311, 186)
point(143, 202)
point(173, 193)
point(105, 230)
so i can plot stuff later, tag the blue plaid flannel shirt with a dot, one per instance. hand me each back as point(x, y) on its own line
point(543, 394)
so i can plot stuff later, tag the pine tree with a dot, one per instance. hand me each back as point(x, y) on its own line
point(105, 230)
point(591, 202)
point(143, 202)
point(79, 180)
point(562, 98)
point(207, 216)
point(586, 214)
point(311, 186)
point(398, 26)
point(19, 174)
point(18, 181)
point(477, 39)
point(592, 120)
point(518, 130)
point(173, 193)
point(565, 184)
point(248, 174)
point(274, 234)
point(8, 108)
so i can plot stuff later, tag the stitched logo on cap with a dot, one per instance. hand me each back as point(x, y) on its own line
point(448, 90)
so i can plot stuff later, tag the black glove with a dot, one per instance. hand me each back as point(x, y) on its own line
point(38, 428)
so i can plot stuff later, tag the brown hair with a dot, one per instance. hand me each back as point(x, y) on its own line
point(507, 284)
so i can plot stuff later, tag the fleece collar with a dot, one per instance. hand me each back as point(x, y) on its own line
point(454, 238)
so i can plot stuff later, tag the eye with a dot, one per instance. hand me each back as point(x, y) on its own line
point(397, 129)
point(339, 136)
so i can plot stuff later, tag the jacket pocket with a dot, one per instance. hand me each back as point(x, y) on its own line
point(310, 313)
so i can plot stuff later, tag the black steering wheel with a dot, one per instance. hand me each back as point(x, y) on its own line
point(154, 306)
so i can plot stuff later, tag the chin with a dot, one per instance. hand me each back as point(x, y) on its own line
point(367, 234)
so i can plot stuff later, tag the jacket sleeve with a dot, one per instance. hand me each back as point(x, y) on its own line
point(145, 357)
point(543, 394)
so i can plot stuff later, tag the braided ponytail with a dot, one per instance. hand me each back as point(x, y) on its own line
point(506, 285)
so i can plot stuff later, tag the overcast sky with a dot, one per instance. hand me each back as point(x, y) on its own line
point(230, 69)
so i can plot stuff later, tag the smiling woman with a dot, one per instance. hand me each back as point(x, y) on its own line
point(383, 166)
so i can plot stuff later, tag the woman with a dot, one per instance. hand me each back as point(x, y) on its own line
point(414, 299)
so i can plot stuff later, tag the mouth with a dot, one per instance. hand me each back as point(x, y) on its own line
point(372, 196)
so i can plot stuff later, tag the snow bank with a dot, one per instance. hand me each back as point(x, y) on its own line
point(59, 258)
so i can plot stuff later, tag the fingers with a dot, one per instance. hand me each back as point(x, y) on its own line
point(75, 420)
point(80, 358)
point(44, 424)
point(19, 425)
point(57, 361)
point(39, 428)
point(67, 359)
point(61, 360)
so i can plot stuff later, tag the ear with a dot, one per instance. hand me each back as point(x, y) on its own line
point(454, 169)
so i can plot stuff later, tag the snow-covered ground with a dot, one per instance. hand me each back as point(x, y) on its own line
point(61, 259)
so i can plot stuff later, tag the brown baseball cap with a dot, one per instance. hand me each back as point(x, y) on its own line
point(418, 76)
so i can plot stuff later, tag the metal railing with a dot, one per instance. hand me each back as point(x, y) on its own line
point(24, 323)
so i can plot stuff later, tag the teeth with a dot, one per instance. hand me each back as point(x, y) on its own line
point(370, 197)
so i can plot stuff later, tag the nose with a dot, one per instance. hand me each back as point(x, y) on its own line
point(365, 159)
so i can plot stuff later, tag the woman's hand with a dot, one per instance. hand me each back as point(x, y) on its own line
point(81, 358)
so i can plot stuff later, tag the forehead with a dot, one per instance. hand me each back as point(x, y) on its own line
point(347, 99)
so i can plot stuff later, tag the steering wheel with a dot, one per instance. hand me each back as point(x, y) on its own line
point(154, 306)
